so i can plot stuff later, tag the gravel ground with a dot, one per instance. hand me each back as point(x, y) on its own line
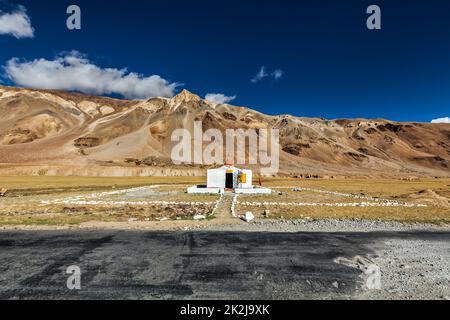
point(412, 269)
point(234, 224)
point(327, 225)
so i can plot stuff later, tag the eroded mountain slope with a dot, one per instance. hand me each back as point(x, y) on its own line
point(51, 128)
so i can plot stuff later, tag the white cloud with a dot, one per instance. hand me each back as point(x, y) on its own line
point(441, 120)
point(219, 98)
point(262, 73)
point(277, 74)
point(74, 72)
point(16, 23)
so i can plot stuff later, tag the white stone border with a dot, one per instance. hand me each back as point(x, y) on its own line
point(136, 203)
point(354, 196)
point(337, 204)
point(233, 205)
point(217, 205)
point(83, 200)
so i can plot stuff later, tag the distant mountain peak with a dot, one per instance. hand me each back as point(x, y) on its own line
point(186, 96)
point(182, 98)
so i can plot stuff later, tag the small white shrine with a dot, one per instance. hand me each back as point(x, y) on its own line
point(229, 178)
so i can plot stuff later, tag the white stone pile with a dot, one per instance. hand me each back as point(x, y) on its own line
point(248, 217)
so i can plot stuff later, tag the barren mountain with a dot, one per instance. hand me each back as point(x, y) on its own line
point(52, 132)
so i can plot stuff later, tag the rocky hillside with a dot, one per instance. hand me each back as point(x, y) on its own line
point(80, 134)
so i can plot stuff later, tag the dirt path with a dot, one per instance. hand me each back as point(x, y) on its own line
point(224, 211)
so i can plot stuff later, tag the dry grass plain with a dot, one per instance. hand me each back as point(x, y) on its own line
point(23, 203)
point(434, 193)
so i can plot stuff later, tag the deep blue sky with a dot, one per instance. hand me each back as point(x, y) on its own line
point(334, 67)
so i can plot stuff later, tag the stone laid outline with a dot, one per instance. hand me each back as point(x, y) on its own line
point(216, 206)
point(89, 199)
point(377, 202)
point(337, 204)
point(137, 203)
point(233, 205)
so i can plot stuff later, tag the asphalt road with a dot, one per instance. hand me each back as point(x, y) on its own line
point(188, 265)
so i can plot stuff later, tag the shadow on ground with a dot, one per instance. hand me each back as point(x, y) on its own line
point(187, 265)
